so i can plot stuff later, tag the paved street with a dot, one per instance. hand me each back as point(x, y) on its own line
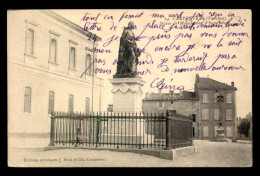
point(210, 154)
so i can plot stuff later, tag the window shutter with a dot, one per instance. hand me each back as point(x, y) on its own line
point(205, 98)
point(229, 98)
point(229, 114)
point(205, 114)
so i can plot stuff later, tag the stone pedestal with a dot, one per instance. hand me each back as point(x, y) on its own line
point(221, 134)
point(127, 94)
point(127, 98)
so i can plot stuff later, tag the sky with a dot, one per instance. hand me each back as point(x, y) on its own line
point(239, 53)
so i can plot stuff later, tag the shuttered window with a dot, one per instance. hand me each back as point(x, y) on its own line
point(205, 98)
point(229, 114)
point(229, 98)
point(205, 114)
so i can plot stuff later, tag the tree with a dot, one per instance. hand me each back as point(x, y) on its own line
point(243, 128)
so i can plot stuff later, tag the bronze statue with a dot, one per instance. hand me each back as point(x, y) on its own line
point(128, 52)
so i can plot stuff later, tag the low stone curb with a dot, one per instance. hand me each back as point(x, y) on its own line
point(164, 154)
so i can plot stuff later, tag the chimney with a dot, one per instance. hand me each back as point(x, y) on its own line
point(147, 94)
point(159, 91)
point(180, 92)
point(171, 92)
point(197, 78)
point(232, 84)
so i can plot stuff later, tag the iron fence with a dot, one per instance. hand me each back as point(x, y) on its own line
point(131, 130)
point(109, 129)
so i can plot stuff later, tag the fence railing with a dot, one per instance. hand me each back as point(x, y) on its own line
point(132, 130)
point(179, 130)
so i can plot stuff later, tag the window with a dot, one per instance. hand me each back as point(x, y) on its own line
point(229, 98)
point(205, 98)
point(229, 131)
point(229, 114)
point(205, 131)
point(194, 117)
point(72, 63)
point(216, 114)
point(205, 114)
point(87, 106)
point(161, 104)
point(87, 64)
point(27, 99)
point(71, 97)
point(53, 50)
point(51, 102)
point(30, 42)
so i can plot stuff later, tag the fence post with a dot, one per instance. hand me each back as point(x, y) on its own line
point(168, 131)
point(52, 130)
point(97, 131)
point(77, 137)
point(192, 131)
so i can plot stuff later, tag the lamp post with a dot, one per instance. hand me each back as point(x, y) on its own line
point(220, 130)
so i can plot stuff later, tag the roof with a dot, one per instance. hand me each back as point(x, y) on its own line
point(185, 95)
point(69, 23)
point(207, 83)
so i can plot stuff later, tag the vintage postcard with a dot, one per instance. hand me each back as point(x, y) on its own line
point(129, 88)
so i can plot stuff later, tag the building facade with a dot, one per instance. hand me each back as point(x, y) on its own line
point(47, 59)
point(211, 112)
point(202, 105)
point(185, 103)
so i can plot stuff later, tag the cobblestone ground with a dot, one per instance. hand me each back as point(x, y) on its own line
point(210, 154)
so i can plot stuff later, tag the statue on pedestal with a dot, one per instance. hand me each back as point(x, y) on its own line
point(128, 52)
